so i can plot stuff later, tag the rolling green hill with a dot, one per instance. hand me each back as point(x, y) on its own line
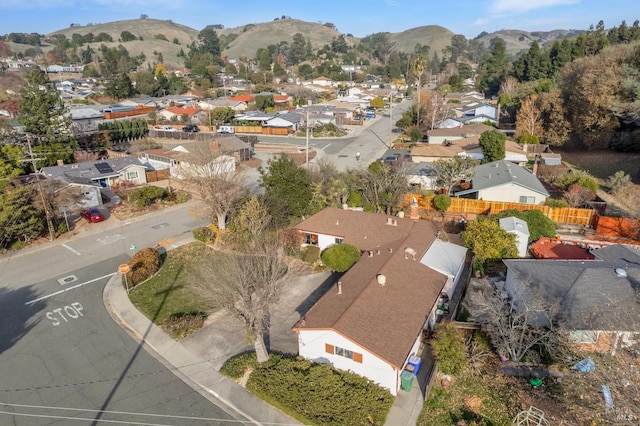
point(251, 37)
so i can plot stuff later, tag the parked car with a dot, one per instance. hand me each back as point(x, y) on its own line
point(168, 129)
point(92, 215)
point(192, 128)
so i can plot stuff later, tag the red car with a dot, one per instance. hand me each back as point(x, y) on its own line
point(92, 215)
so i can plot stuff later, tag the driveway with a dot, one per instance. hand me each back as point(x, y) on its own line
point(223, 336)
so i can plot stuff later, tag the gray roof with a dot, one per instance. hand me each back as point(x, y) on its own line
point(444, 257)
point(500, 173)
point(601, 294)
point(91, 170)
point(514, 224)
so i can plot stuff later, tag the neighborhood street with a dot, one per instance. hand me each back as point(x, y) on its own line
point(63, 359)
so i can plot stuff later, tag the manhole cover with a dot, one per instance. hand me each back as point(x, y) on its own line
point(67, 280)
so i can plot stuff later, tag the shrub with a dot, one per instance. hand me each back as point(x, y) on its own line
point(310, 254)
point(442, 202)
point(539, 225)
point(449, 348)
point(143, 265)
point(235, 367)
point(204, 234)
point(320, 394)
point(555, 202)
point(340, 257)
point(179, 326)
point(292, 240)
point(146, 195)
point(415, 134)
point(618, 181)
point(578, 177)
point(529, 138)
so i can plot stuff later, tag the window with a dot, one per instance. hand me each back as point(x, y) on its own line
point(527, 200)
point(336, 350)
point(131, 175)
point(583, 336)
point(338, 240)
point(311, 239)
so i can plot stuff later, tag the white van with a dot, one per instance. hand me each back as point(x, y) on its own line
point(225, 129)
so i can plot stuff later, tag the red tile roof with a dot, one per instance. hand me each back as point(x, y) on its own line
point(242, 98)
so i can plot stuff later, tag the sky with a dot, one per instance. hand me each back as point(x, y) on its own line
point(356, 17)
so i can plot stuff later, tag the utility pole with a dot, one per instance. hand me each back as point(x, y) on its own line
point(390, 119)
point(307, 150)
point(33, 160)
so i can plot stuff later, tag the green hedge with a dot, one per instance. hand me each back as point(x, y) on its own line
point(319, 394)
point(204, 234)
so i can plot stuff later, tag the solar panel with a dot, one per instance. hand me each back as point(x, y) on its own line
point(104, 168)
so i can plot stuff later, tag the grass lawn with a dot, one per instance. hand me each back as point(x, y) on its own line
point(169, 292)
point(603, 164)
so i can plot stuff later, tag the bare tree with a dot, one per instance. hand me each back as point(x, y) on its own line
point(519, 325)
point(529, 118)
point(251, 221)
point(220, 188)
point(436, 108)
point(245, 284)
point(382, 185)
point(451, 170)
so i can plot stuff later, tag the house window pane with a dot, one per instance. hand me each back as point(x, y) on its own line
point(527, 200)
point(311, 239)
point(132, 175)
point(338, 240)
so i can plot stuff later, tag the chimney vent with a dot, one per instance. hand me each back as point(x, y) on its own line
point(339, 287)
point(382, 280)
point(337, 222)
point(60, 162)
point(370, 253)
point(409, 252)
point(395, 222)
point(389, 221)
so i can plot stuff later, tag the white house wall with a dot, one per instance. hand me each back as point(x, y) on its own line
point(325, 241)
point(509, 193)
point(311, 345)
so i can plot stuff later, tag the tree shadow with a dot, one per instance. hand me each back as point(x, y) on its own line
point(320, 291)
point(18, 318)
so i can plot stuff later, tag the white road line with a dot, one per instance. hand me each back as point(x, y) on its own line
point(71, 249)
point(69, 288)
point(326, 147)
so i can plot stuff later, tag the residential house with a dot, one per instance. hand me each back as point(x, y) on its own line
point(465, 147)
point(504, 181)
point(104, 173)
point(139, 102)
point(376, 317)
point(181, 165)
point(599, 299)
point(439, 136)
point(211, 104)
point(233, 146)
point(80, 191)
point(176, 113)
point(520, 229)
point(322, 81)
point(421, 176)
point(85, 120)
point(288, 120)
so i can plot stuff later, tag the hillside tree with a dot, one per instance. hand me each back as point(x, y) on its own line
point(529, 118)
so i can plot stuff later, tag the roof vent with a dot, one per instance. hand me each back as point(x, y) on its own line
point(382, 280)
point(620, 272)
point(409, 252)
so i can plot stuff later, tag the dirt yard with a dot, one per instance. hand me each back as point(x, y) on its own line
point(603, 164)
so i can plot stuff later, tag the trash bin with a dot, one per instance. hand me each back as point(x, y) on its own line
point(415, 361)
point(406, 379)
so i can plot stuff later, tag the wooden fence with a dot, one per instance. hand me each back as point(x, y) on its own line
point(156, 175)
point(130, 113)
point(567, 215)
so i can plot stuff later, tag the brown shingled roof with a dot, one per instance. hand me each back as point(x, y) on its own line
point(386, 320)
point(462, 131)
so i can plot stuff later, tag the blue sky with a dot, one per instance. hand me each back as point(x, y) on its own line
point(360, 18)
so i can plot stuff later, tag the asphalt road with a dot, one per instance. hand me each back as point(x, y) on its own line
point(371, 140)
point(63, 360)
